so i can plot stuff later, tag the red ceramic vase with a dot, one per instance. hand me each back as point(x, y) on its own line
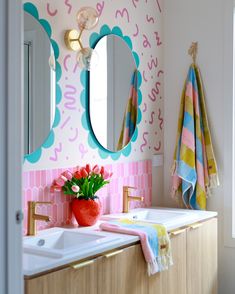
point(86, 212)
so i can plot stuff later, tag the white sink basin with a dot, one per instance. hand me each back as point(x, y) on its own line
point(157, 216)
point(170, 218)
point(58, 242)
point(149, 214)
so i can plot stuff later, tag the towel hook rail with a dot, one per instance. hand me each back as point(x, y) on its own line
point(193, 51)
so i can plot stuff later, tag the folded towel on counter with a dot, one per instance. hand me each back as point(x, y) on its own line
point(154, 240)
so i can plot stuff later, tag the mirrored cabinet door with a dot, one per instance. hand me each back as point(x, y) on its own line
point(27, 82)
point(113, 93)
point(39, 84)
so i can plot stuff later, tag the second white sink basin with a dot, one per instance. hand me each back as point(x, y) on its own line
point(157, 216)
point(171, 218)
point(149, 214)
point(58, 242)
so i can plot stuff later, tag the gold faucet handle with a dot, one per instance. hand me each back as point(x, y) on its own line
point(136, 198)
point(42, 203)
point(129, 187)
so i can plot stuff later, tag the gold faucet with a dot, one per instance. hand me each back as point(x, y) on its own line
point(127, 198)
point(33, 216)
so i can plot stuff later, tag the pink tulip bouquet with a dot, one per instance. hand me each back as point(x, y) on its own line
point(83, 183)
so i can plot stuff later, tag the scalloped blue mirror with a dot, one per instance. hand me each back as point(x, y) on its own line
point(39, 84)
point(113, 93)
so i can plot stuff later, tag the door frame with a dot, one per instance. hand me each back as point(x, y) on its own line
point(11, 151)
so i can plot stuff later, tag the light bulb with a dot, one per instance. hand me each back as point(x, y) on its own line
point(87, 58)
point(87, 18)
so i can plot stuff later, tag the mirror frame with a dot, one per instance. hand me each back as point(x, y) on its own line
point(84, 98)
point(49, 141)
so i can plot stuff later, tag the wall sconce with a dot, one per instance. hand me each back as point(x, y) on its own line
point(87, 19)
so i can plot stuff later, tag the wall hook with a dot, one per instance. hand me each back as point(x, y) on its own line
point(193, 51)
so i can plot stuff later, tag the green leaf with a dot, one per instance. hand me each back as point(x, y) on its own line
point(88, 186)
point(85, 188)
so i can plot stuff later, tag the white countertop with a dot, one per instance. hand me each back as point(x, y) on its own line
point(36, 264)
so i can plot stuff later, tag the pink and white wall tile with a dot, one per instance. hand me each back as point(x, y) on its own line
point(36, 187)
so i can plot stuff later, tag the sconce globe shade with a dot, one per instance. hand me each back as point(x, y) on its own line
point(87, 18)
point(87, 58)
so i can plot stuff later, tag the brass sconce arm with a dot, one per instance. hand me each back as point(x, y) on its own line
point(87, 18)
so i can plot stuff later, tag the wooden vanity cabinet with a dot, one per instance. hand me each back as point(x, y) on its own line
point(119, 272)
point(123, 271)
point(66, 281)
point(195, 267)
point(202, 258)
point(172, 281)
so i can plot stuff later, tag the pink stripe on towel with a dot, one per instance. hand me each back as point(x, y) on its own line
point(188, 139)
point(154, 241)
point(143, 238)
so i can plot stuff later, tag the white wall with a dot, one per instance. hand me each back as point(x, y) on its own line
point(203, 21)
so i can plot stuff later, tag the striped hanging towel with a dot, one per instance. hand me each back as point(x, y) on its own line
point(194, 169)
point(130, 115)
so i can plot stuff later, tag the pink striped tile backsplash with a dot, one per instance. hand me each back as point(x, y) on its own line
point(36, 187)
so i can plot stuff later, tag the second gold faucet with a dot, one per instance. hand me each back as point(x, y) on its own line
point(127, 198)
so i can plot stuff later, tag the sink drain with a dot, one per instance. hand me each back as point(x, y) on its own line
point(41, 242)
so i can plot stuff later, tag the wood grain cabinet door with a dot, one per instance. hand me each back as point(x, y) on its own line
point(173, 280)
point(80, 280)
point(175, 277)
point(123, 272)
point(202, 258)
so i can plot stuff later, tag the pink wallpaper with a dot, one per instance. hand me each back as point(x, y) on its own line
point(141, 21)
point(36, 187)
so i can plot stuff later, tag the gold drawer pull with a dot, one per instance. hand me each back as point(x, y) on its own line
point(108, 255)
point(195, 226)
point(82, 264)
point(176, 233)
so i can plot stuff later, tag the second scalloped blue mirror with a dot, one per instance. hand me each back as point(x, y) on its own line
point(39, 84)
point(113, 98)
